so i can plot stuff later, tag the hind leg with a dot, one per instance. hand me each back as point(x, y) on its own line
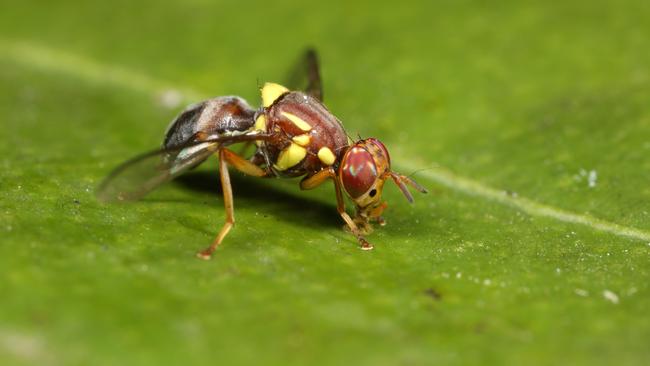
point(226, 158)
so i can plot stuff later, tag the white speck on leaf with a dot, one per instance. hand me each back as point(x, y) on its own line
point(23, 346)
point(591, 179)
point(581, 292)
point(170, 98)
point(610, 296)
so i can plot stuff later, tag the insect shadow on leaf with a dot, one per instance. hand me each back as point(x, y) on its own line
point(267, 199)
point(433, 294)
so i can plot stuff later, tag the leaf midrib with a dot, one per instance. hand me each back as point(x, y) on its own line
point(59, 61)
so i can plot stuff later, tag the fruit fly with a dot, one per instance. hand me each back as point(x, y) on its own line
point(295, 135)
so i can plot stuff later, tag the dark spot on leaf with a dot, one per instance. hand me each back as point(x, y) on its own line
point(511, 193)
point(480, 327)
point(433, 293)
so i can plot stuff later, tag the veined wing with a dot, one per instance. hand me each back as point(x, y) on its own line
point(142, 174)
point(305, 75)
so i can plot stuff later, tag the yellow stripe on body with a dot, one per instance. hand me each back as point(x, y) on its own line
point(297, 121)
point(326, 156)
point(260, 123)
point(302, 140)
point(290, 156)
point(271, 92)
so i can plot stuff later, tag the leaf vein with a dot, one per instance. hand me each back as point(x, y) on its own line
point(58, 61)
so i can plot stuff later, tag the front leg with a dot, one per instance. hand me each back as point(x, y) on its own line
point(317, 179)
point(364, 217)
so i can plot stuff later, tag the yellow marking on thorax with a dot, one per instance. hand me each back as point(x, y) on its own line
point(297, 121)
point(326, 156)
point(302, 140)
point(290, 156)
point(271, 92)
point(260, 123)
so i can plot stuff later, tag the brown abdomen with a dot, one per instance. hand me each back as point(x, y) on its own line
point(216, 116)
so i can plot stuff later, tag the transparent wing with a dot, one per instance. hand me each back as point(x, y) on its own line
point(136, 177)
point(305, 75)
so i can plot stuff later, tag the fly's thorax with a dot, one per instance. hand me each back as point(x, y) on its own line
point(309, 137)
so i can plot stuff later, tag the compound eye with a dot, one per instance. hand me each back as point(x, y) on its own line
point(381, 147)
point(358, 172)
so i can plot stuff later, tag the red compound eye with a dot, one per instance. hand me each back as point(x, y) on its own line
point(381, 147)
point(358, 171)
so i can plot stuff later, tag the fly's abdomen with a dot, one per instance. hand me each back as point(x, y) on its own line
point(220, 116)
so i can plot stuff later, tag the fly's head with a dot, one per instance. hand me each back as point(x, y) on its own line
point(364, 169)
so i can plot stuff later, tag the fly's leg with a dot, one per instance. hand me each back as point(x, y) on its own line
point(228, 203)
point(227, 157)
point(313, 181)
point(242, 164)
point(380, 220)
point(318, 179)
point(340, 207)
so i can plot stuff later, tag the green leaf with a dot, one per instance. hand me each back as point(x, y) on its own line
point(528, 123)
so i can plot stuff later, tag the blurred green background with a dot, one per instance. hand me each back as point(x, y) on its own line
point(530, 120)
